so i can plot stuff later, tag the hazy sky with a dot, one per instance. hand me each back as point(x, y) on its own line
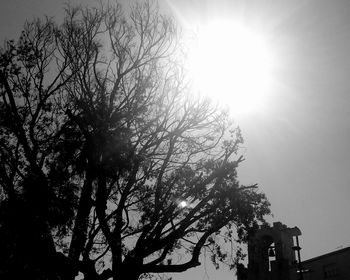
point(298, 147)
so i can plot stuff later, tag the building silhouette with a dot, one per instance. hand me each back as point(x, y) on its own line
point(333, 266)
point(274, 254)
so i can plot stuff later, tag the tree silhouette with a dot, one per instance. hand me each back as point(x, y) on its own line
point(109, 166)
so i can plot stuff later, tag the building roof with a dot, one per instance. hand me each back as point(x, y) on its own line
point(327, 255)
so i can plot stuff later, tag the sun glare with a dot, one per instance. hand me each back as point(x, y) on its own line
point(230, 64)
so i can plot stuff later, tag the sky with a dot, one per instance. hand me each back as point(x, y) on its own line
point(297, 148)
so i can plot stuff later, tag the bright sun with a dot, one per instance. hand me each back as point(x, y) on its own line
point(231, 64)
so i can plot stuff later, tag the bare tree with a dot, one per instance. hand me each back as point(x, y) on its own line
point(105, 148)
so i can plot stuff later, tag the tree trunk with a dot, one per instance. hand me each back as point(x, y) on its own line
point(129, 269)
point(128, 274)
point(81, 224)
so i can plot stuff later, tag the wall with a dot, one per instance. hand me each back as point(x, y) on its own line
point(332, 266)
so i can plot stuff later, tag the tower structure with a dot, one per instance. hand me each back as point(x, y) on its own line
point(272, 254)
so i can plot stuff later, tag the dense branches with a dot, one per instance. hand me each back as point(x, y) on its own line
point(104, 149)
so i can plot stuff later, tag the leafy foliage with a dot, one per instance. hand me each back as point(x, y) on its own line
point(109, 155)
